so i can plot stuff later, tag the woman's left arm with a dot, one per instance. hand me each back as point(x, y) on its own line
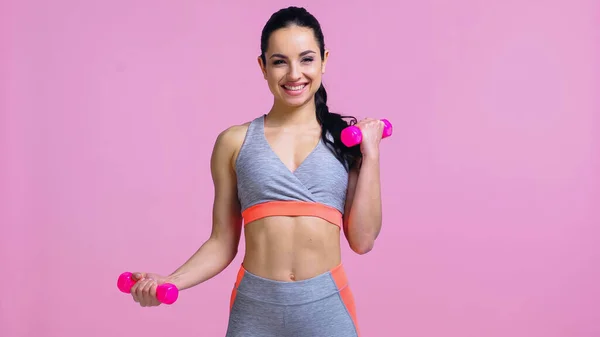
point(362, 216)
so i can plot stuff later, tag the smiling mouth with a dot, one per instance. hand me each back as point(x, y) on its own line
point(295, 87)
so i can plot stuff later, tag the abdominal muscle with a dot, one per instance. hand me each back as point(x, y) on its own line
point(291, 248)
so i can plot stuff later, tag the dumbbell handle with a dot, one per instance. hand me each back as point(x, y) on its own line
point(352, 135)
point(166, 293)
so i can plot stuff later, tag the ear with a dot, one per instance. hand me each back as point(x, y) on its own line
point(324, 64)
point(262, 67)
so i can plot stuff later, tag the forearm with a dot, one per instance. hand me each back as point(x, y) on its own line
point(364, 220)
point(208, 261)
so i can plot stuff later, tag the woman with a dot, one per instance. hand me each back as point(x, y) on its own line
point(295, 186)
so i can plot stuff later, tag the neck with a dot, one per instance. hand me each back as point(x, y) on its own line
point(285, 115)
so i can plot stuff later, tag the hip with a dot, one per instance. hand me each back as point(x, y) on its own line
point(321, 305)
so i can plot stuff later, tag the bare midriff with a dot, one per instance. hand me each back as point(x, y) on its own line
point(284, 248)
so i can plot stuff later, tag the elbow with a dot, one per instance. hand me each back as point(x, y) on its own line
point(227, 249)
point(362, 247)
point(233, 251)
point(362, 238)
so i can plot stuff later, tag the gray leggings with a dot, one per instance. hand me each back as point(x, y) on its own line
point(322, 306)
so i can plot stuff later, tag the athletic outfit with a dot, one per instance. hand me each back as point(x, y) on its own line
point(322, 306)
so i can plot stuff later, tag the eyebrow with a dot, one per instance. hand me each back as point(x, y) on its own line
point(306, 52)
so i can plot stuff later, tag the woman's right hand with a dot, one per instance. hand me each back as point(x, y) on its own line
point(144, 289)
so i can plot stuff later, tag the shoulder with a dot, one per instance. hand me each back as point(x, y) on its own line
point(233, 135)
point(229, 141)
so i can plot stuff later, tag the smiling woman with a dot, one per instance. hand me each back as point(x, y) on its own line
point(289, 179)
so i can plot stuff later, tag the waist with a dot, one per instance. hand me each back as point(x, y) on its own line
point(291, 293)
point(285, 248)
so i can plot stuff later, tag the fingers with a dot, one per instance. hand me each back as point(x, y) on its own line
point(134, 291)
point(368, 123)
point(138, 276)
point(144, 292)
point(366, 120)
point(369, 120)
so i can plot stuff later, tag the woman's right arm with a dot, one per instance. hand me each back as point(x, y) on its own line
point(222, 246)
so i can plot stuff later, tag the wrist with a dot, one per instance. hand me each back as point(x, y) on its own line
point(370, 156)
point(176, 280)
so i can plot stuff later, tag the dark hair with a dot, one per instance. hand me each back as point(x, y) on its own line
point(331, 123)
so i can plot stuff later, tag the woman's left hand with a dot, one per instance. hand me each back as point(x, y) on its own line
point(372, 130)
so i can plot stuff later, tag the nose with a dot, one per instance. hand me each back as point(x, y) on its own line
point(294, 73)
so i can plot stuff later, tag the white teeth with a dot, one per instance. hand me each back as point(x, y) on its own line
point(295, 88)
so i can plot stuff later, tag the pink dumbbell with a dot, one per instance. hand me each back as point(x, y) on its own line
point(166, 293)
point(352, 136)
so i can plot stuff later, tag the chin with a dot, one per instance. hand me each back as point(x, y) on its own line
point(296, 102)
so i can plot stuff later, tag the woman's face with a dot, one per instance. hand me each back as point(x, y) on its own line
point(293, 66)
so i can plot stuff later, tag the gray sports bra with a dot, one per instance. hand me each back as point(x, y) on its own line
point(266, 187)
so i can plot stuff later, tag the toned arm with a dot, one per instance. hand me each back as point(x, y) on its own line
point(222, 246)
point(362, 216)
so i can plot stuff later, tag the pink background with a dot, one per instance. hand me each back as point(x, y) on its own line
point(491, 180)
